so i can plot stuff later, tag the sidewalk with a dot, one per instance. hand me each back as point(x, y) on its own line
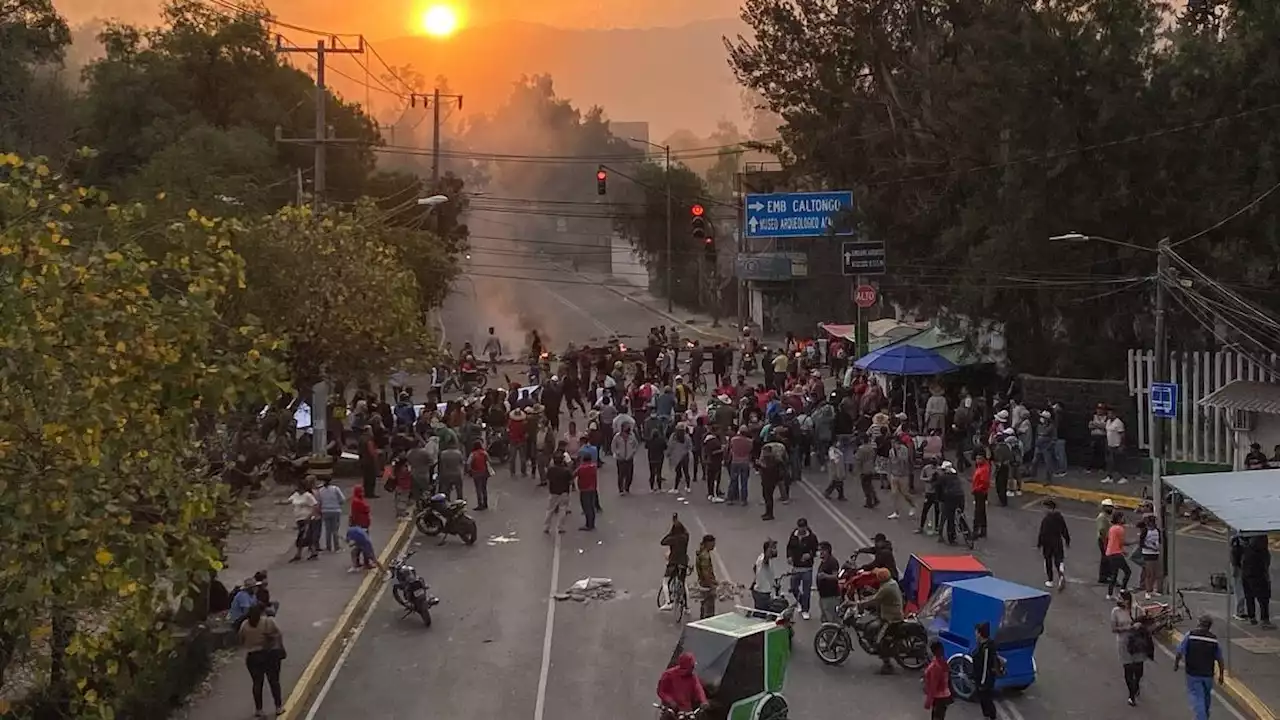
point(1253, 654)
point(316, 599)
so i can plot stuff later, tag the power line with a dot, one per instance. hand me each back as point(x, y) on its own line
point(1248, 206)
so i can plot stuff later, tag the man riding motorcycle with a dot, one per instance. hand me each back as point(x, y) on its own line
point(887, 604)
point(679, 689)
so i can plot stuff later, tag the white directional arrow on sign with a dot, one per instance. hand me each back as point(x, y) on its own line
point(756, 206)
point(753, 223)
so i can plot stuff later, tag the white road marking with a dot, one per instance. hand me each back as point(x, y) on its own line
point(351, 642)
point(540, 706)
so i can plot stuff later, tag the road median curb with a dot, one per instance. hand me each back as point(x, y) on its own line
point(321, 664)
point(1239, 693)
point(1093, 497)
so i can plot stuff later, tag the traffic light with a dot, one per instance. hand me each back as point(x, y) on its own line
point(602, 181)
point(699, 223)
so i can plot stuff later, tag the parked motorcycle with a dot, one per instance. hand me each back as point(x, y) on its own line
point(833, 642)
point(499, 446)
point(410, 590)
point(438, 516)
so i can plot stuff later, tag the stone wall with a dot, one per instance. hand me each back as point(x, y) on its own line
point(1079, 397)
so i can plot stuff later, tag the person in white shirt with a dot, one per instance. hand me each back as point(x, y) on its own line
point(306, 518)
point(764, 576)
point(1115, 448)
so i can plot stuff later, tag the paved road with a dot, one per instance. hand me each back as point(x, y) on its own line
point(501, 649)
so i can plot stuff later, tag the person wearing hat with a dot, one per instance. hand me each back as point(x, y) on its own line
point(1003, 457)
point(1201, 653)
point(1045, 437)
point(1102, 523)
point(517, 439)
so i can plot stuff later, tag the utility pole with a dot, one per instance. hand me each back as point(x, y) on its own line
point(319, 391)
point(434, 99)
point(1157, 423)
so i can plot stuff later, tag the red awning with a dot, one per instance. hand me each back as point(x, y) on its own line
point(847, 332)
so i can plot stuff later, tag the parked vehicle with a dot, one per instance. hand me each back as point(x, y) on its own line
point(742, 663)
point(1016, 614)
point(437, 516)
point(410, 590)
point(833, 642)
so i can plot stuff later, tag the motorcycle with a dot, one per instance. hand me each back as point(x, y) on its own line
point(856, 584)
point(472, 378)
point(438, 516)
point(833, 644)
point(499, 447)
point(748, 363)
point(410, 590)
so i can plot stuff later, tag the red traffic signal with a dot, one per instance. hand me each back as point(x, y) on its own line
point(602, 179)
point(708, 241)
point(602, 175)
point(697, 210)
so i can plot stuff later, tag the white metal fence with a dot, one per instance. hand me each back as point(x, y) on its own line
point(1198, 434)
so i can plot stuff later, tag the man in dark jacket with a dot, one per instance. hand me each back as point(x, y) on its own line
point(802, 548)
point(951, 497)
point(1053, 541)
point(1255, 575)
point(881, 551)
point(986, 668)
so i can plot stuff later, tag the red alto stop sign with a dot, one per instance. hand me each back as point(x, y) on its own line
point(864, 296)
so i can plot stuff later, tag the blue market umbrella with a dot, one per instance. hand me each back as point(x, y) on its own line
point(905, 360)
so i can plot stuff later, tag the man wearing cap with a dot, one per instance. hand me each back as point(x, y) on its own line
point(1102, 523)
point(517, 439)
point(1202, 653)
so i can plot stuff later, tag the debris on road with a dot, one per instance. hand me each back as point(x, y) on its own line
point(498, 539)
point(589, 589)
point(727, 591)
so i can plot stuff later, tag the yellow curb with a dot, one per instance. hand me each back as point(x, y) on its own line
point(1092, 497)
point(1239, 692)
point(299, 702)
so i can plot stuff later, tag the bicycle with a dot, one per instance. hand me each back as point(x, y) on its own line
point(962, 527)
point(677, 594)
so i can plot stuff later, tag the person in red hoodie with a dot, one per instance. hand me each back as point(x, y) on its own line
point(679, 689)
point(937, 683)
point(359, 508)
point(981, 486)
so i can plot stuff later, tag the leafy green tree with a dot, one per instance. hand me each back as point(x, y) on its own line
point(202, 69)
point(641, 216)
point(34, 105)
point(972, 132)
point(111, 356)
point(338, 288)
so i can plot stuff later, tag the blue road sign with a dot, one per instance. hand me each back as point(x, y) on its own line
point(1164, 400)
point(791, 215)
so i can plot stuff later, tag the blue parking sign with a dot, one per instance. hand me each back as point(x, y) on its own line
point(1164, 400)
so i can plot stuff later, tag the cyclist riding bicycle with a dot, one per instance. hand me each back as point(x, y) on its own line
point(677, 543)
point(679, 689)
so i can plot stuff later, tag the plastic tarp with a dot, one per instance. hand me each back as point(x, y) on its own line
point(930, 337)
point(1246, 500)
point(711, 651)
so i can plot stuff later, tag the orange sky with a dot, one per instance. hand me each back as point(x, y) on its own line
point(386, 18)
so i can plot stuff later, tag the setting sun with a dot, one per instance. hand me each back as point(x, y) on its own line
point(440, 21)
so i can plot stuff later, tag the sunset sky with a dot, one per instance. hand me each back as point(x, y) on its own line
point(389, 18)
point(646, 70)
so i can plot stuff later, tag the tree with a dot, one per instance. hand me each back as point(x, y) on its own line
point(34, 105)
point(202, 69)
point(338, 288)
point(641, 216)
point(971, 132)
point(111, 356)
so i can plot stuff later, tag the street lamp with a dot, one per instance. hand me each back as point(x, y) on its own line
point(666, 149)
point(1161, 375)
point(433, 200)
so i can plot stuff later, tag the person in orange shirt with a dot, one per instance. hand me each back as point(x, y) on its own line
point(1115, 555)
point(980, 487)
